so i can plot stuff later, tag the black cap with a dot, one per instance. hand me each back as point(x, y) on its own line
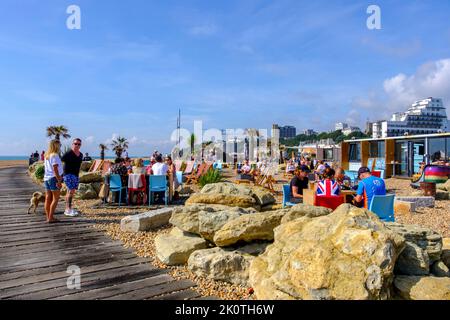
point(304, 168)
point(363, 170)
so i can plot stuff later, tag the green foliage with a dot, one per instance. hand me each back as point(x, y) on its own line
point(40, 171)
point(336, 136)
point(212, 176)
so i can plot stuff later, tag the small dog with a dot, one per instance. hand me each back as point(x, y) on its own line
point(35, 200)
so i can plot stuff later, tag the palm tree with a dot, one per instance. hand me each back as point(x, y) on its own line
point(119, 145)
point(191, 140)
point(102, 147)
point(57, 132)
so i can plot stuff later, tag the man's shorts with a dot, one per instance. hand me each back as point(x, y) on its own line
point(71, 181)
point(50, 185)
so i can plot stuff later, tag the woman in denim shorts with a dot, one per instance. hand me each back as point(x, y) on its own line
point(52, 179)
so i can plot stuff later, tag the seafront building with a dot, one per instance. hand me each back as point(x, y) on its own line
point(395, 156)
point(286, 132)
point(425, 116)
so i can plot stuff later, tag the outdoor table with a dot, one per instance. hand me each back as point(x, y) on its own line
point(348, 195)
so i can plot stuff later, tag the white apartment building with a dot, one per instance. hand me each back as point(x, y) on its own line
point(423, 117)
point(340, 126)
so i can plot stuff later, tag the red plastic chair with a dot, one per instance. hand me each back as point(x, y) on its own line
point(331, 202)
point(376, 174)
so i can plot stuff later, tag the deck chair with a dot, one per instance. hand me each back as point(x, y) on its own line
point(331, 202)
point(383, 207)
point(287, 196)
point(195, 175)
point(96, 166)
point(178, 164)
point(189, 167)
point(106, 166)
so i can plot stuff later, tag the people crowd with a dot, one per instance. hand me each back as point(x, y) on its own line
point(330, 182)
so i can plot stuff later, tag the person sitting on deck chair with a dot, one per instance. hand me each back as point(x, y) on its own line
point(368, 187)
point(290, 167)
point(246, 171)
point(298, 183)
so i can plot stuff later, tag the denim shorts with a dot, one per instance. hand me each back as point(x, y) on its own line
point(50, 185)
point(71, 181)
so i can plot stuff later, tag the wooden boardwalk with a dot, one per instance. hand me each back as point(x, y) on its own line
point(35, 256)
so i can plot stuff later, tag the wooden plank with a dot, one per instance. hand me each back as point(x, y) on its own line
point(35, 248)
point(115, 290)
point(54, 234)
point(149, 292)
point(59, 288)
point(63, 266)
point(19, 263)
point(59, 252)
point(69, 238)
point(61, 273)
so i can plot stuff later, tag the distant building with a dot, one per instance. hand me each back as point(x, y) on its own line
point(286, 132)
point(341, 126)
point(350, 130)
point(425, 116)
point(369, 128)
point(309, 132)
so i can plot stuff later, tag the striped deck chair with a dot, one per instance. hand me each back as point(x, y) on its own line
point(196, 174)
point(268, 180)
point(178, 164)
point(106, 166)
point(96, 166)
point(261, 176)
point(189, 167)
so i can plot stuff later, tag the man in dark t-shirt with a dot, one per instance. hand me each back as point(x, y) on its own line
point(72, 163)
point(298, 183)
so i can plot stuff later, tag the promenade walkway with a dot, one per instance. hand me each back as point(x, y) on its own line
point(35, 256)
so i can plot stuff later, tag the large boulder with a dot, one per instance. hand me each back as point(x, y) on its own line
point(445, 256)
point(348, 254)
point(223, 199)
point(86, 192)
point(444, 186)
point(175, 249)
point(247, 228)
point(439, 269)
point(211, 222)
point(305, 210)
point(226, 188)
point(205, 220)
point(425, 238)
point(225, 264)
point(422, 288)
point(413, 261)
point(261, 195)
point(86, 165)
point(90, 177)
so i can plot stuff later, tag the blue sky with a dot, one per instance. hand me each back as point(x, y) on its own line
point(231, 64)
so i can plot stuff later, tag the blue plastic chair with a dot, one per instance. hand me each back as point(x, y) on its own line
point(287, 196)
point(115, 185)
point(383, 207)
point(157, 184)
point(180, 177)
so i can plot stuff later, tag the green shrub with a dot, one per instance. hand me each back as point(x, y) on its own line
point(40, 171)
point(212, 176)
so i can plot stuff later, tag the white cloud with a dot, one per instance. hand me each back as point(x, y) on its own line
point(203, 30)
point(89, 140)
point(431, 79)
